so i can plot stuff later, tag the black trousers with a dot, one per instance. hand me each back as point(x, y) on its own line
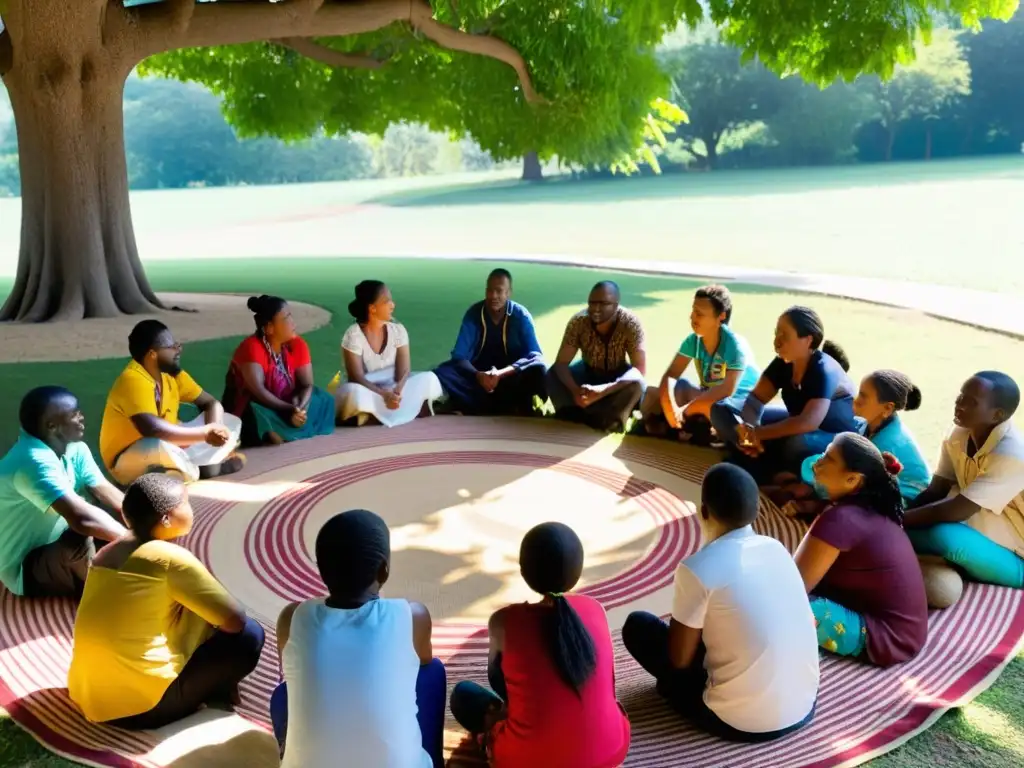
point(471, 702)
point(211, 675)
point(58, 569)
point(646, 638)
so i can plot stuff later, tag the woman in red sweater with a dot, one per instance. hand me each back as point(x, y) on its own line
point(552, 669)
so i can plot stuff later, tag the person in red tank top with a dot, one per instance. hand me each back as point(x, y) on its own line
point(552, 670)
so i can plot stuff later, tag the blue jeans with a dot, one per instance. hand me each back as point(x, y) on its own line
point(431, 689)
point(782, 455)
point(973, 552)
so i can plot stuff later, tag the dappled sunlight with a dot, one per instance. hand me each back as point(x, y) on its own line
point(995, 725)
point(220, 490)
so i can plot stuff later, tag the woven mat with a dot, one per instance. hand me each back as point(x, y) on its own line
point(458, 494)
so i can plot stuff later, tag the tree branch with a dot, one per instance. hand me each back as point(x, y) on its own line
point(328, 56)
point(6, 53)
point(235, 23)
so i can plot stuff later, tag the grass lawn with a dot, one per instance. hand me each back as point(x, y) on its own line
point(431, 297)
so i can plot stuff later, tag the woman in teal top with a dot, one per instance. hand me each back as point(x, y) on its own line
point(883, 394)
point(725, 366)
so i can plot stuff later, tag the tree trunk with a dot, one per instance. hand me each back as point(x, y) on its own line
point(532, 170)
point(711, 144)
point(78, 256)
point(928, 142)
point(890, 143)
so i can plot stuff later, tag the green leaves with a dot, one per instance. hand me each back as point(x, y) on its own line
point(592, 60)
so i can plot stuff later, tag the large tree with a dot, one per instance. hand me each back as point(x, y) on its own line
point(499, 69)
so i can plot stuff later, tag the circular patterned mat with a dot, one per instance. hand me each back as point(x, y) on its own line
point(458, 494)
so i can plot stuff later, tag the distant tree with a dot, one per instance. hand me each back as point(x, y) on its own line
point(921, 89)
point(407, 149)
point(817, 127)
point(994, 112)
point(720, 93)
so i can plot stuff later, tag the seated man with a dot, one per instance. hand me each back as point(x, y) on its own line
point(48, 481)
point(726, 372)
point(972, 513)
point(141, 431)
point(603, 388)
point(496, 366)
point(739, 656)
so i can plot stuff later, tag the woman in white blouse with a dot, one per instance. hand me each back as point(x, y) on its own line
point(380, 386)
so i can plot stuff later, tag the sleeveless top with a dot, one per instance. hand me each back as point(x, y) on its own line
point(351, 677)
point(548, 723)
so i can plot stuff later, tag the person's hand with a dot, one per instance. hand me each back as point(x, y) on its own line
point(591, 394)
point(392, 400)
point(298, 418)
point(488, 380)
point(748, 441)
point(216, 435)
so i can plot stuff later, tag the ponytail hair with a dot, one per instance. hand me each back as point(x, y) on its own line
point(806, 322)
point(880, 490)
point(367, 292)
point(551, 561)
point(896, 388)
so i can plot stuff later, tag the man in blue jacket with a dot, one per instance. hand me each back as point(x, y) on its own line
point(496, 366)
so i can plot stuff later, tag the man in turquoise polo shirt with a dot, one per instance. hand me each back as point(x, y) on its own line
point(47, 520)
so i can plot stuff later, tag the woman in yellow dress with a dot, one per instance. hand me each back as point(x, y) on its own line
point(156, 636)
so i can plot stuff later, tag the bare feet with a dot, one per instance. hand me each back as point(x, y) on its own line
point(272, 438)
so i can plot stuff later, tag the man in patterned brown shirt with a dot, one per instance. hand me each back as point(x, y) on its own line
point(602, 389)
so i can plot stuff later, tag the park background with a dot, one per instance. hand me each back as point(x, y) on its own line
point(767, 172)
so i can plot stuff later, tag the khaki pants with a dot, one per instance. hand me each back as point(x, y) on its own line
point(153, 455)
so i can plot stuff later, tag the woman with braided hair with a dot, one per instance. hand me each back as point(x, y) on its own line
point(883, 394)
point(551, 667)
point(866, 588)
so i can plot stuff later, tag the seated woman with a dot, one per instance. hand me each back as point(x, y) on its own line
point(816, 393)
point(156, 637)
point(360, 676)
point(883, 394)
point(867, 592)
point(380, 386)
point(552, 668)
point(739, 657)
point(270, 381)
point(726, 372)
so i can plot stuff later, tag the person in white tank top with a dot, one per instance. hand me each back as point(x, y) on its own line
point(361, 687)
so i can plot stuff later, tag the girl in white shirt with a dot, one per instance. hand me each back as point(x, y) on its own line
point(375, 350)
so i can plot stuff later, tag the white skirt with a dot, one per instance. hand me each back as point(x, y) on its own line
point(355, 400)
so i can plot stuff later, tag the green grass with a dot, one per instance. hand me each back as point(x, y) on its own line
point(431, 297)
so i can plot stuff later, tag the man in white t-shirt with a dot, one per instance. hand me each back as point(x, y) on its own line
point(739, 657)
point(972, 513)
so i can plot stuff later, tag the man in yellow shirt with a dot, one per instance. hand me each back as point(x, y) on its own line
point(141, 430)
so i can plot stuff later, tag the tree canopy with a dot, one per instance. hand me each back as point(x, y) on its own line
point(584, 83)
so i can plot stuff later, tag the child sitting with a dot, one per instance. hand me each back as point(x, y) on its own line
point(361, 679)
point(882, 395)
point(552, 669)
point(972, 514)
point(739, 657)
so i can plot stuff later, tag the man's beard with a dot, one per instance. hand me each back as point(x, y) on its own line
point(171, 369)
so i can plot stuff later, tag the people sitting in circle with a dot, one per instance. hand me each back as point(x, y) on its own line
point(50, 488)
point(142, 430)
point(883, 394)
point(269, 383)
point(739, 657)
point(606, 384)
point(360, 676)
point(156, 636)
point(381, 387)
point(551, 668)
point(725, 366)
point(971, 516)
point(858, 565)
point(817, 398)
point(496, 367)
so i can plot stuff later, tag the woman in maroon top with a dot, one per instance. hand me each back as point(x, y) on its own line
point(270, 381)
point(858, 565)
point(553, 668)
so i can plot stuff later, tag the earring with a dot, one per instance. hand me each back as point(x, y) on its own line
point(166, 522)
